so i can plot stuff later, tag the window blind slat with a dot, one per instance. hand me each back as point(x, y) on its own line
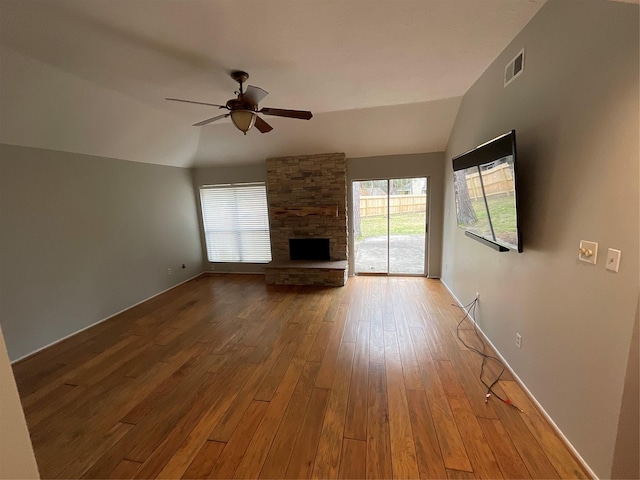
point(236, 223)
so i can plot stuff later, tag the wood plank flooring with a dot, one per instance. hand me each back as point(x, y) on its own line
point(226, 377)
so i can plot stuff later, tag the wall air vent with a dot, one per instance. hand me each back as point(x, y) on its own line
point(514, 68)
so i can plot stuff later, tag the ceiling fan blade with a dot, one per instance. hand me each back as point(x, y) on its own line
point(209, 120)
point(263, 126)
point(279, 112)
point(197, 103)
point(254, 94)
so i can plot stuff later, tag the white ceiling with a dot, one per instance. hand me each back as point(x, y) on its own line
point(381, 76)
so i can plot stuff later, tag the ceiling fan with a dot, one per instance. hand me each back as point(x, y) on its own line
point(244, 109)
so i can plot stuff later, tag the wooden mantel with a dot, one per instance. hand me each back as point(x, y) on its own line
point(322, 210)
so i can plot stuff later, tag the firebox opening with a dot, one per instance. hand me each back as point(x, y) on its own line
point(309, 249)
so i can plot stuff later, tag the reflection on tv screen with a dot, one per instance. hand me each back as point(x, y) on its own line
point(486, 202)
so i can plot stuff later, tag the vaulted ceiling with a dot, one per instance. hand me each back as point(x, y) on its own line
point(381, 76)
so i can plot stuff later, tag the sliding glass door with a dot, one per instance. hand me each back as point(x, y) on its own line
point(389, 226)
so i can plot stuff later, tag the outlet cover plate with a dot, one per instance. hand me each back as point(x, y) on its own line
point(613, 260)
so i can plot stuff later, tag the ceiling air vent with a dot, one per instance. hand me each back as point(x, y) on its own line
point(514, 68)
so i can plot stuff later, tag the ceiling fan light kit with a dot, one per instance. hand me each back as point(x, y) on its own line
point(244, 109)
point(243, 119)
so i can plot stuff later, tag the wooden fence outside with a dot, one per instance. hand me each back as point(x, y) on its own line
point(497, 181)
point(376, 204)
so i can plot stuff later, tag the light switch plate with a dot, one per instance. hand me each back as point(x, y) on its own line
point(588, 251)
point(613, 260)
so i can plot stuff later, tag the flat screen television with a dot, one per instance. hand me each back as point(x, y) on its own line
point(486, 194)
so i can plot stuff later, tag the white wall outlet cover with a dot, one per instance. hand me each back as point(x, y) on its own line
point(613, 260)
point(588, 251)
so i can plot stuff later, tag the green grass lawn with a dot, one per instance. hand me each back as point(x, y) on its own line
point(413, 223)
point(401, 223)
point(503, 213)
point(502, 217)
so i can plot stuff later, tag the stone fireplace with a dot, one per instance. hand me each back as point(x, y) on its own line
point(307, 198)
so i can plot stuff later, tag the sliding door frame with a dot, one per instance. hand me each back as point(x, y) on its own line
point(427, 234)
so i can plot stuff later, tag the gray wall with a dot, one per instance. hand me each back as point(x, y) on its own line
point(626, 460)
point(240, 174)
point(575, 110)
point(84, 237)
point(402, 166)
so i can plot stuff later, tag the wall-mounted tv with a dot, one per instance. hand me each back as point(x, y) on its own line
point(486, 193)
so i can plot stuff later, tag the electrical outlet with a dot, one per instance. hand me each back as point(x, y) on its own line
point(169, 271)
point(518, 340)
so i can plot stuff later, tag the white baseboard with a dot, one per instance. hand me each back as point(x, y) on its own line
point(103, 320)
point(526, 390)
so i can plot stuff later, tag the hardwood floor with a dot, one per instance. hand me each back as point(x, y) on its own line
point(226, 377)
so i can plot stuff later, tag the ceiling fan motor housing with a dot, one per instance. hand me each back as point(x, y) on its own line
point(240, 104)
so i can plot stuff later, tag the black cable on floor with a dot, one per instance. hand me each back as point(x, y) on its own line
point(470, 312)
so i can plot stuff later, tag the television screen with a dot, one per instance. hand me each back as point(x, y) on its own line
point(486, 195)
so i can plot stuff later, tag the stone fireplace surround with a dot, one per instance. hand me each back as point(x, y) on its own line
point(307, 198)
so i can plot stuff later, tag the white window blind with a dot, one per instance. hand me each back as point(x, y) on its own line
point(236, 223)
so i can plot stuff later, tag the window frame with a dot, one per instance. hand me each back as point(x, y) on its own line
point(248, 241)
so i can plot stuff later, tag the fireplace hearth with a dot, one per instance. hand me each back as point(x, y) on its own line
point(309, 249)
